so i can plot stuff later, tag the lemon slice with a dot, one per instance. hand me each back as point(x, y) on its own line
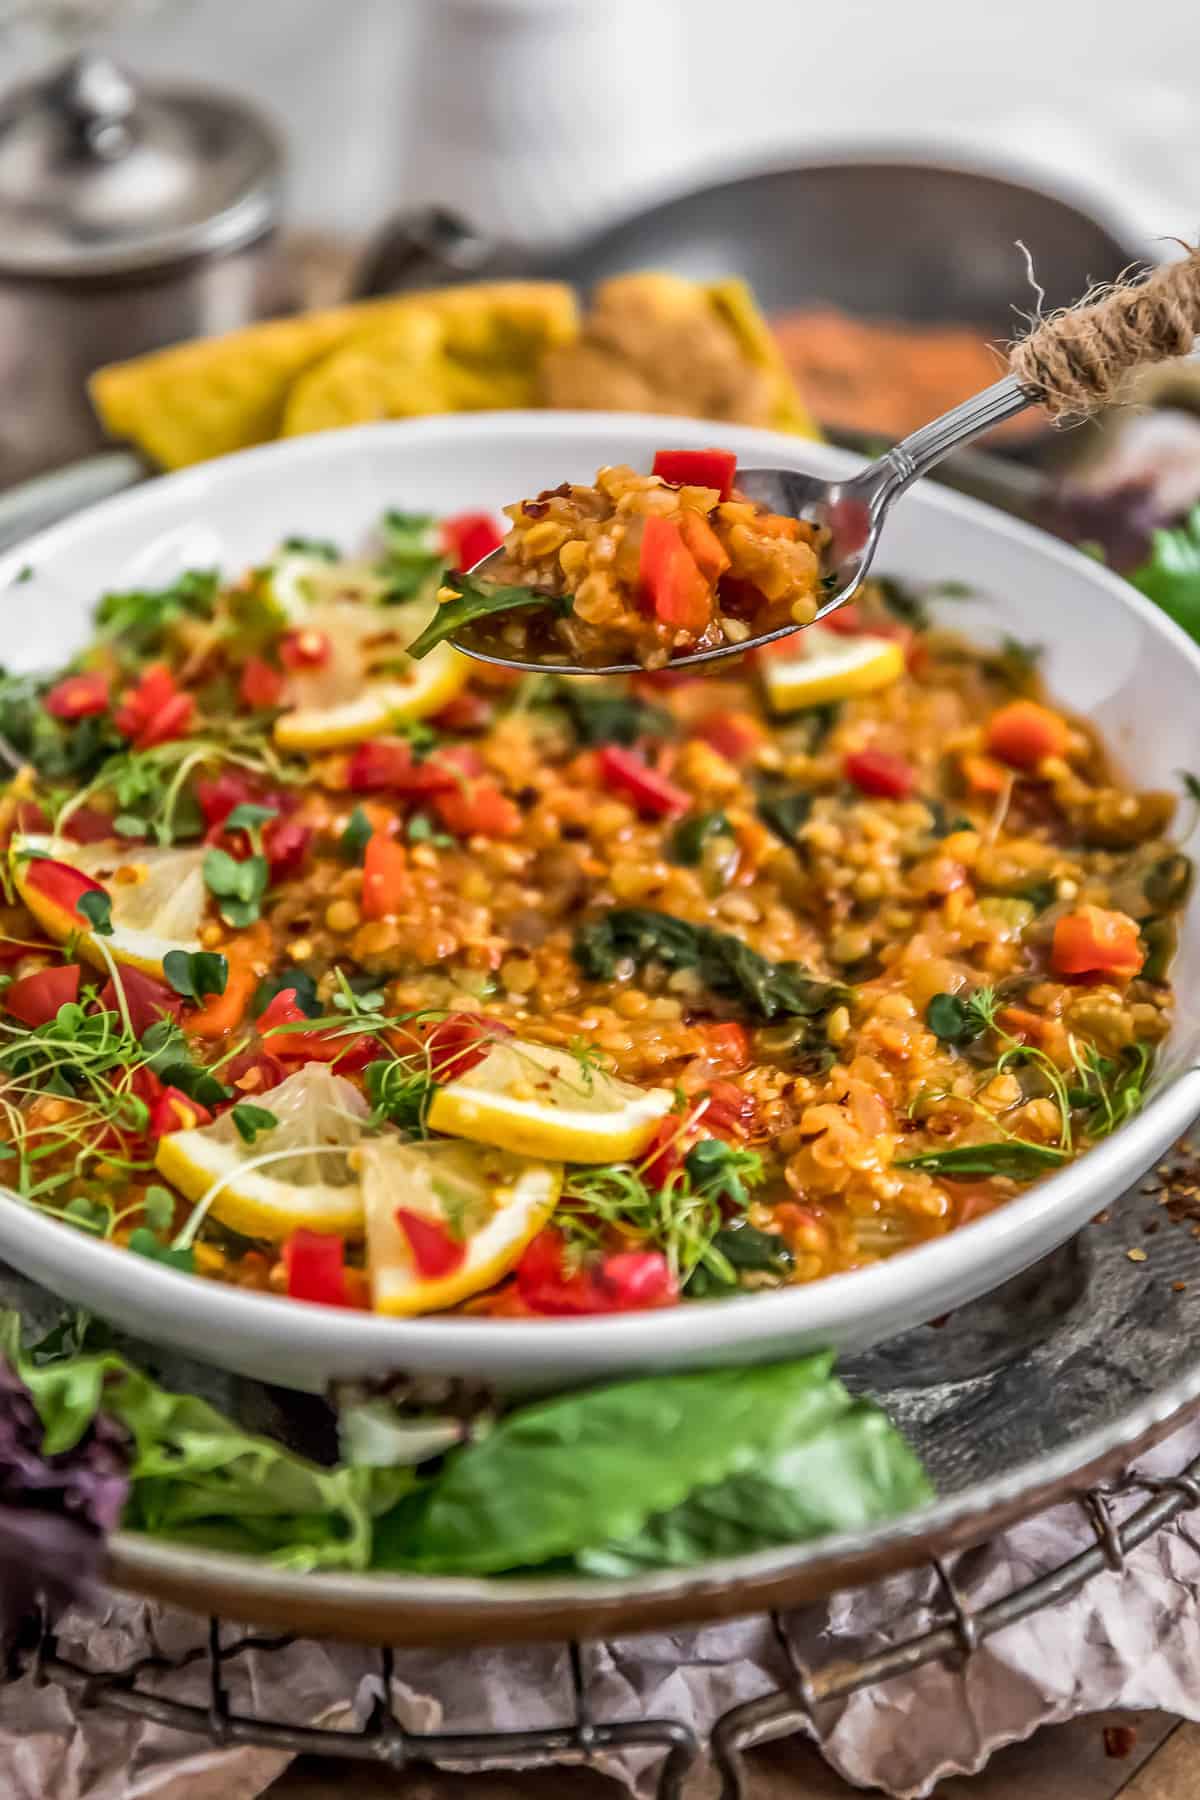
point(481, 1207)
point(368, 684)
point(291, 584)
point(834, 668)
point(297, 1172)
point(542, 1102)
point(158, 898)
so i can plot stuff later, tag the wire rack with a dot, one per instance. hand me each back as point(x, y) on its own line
point(580, 1737)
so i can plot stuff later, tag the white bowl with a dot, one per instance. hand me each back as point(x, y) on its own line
point(1108, 655)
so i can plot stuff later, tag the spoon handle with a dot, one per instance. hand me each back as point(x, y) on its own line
point(906, 461)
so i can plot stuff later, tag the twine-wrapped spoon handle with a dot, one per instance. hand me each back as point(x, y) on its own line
point(1075, 362)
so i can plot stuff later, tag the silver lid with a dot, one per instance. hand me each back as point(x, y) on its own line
point(99, 177)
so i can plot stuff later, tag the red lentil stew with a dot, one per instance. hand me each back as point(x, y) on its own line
point(640, 567)
point(406, 984)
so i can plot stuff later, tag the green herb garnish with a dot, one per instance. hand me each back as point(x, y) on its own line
point(357, 835)
point(1014, 1157)
point(96, 907)
point(238, 886)
point(196, 973)
point(473, 600)
point(692, 833)
point(251, 1121)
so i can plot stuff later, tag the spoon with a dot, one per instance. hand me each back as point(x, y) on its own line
point(1072, 364)
point(852, 512)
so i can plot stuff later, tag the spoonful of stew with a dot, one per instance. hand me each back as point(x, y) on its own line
point(700, 559)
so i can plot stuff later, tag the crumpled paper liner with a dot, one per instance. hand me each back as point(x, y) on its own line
point(1125, 1640)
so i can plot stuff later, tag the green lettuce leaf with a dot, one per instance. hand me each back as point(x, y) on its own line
point(592, 1471)
point(198, 1477)
point(1170, 575)
point(852, 1470)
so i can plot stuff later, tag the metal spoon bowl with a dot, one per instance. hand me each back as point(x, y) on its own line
point(851, 512)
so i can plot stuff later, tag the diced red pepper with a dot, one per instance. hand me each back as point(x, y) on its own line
point(704, 546)
point(261, 686)
point(63, 886)
point(77, 697)
point(35, 999)
point(434, 1251)
point(285, 845)
point(675, 590)
point(731, 1112)
point(983, 775)
point(145, 1085)
point(458, 1044)
point(384, 765)
point(624, 1281)
point(147, 1000)
point(728, 1043)
point(217, 796)
point(478, 809)
point(467, 711)
point(625, 772)
point(697, 468)
point(1093, 941)
point(314, 1263)
point(880, 774)
point(155, 711)
point(673, 1138)
point(88, 825)
point(736, 735)
point(1023, 733)
point(222, 1013)
point(469, 537)
point(385, 884)
point(174, 720)
point(253, 1072)
point(176, 1111)
point(348, 1053)
point(304, 649)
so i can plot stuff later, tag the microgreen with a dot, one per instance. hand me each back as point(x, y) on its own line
point(96, 907)
point(248, 817)
point(196, 973)
point(238, 886)
point(681, 1216)
point(357, 835)
point(158, 1208)
point(955, 1020)
point(252, 1121)
point(144, 1242)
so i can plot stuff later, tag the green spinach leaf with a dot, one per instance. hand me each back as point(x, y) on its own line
point(726, 966)
point(1014, 1157)
point(474, 600)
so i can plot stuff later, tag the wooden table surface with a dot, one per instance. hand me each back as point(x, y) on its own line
point(1159, 1760)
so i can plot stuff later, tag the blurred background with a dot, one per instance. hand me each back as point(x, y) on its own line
point(1085, 95)
point(176, 169)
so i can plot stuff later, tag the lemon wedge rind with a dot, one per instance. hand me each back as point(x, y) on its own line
point(539, 1102)
point(516, 1198)
point(833, 668)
